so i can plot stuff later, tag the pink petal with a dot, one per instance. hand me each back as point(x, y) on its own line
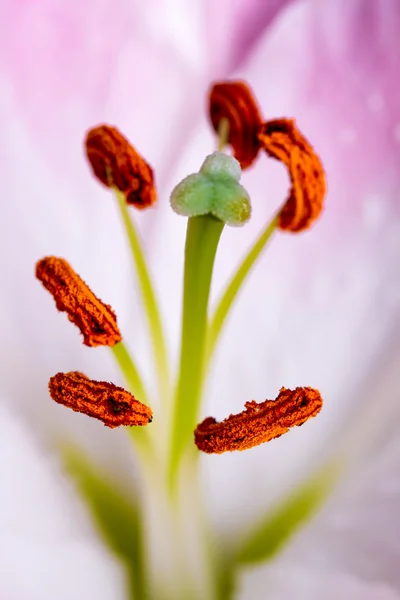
point(321, 308)
point(233, 29)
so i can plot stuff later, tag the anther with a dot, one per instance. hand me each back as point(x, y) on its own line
point(101, 400)
point(258, 423)
point(96, 320)
point(282, 140)
point(116, 163)
point(234, 101)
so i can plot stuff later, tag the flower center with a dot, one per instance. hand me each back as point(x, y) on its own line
point(210, 199)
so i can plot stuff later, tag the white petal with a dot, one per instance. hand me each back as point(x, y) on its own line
point(48, 546)
point(33, 569)
point(296, 583)
point(356, 536)
point(358, 531)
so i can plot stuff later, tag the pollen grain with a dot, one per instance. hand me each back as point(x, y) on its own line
point(96, 320)
point(115, 162)
point(259, 422)
point(282, 140)
point(234, 101)
point(101, 400)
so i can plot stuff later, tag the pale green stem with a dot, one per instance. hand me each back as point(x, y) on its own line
point(132, 377)
point(117, 518)
point(223, 134)
point(235, 285)
point(130, 371)
point(275, 528)
point(202, 237)
point(148, 295)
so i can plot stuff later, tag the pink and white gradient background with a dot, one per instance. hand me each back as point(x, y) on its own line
point(321, 309)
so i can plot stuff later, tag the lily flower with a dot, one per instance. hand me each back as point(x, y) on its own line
point(318, 309)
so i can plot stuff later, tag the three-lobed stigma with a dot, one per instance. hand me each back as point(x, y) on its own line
point(215, 190)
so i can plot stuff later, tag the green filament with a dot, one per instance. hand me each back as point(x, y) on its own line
point(116, 517)
point(234, 287)
point(148, 295)
point(130, 372)
point(276, 528)
point(223, 133)
point(132, 377)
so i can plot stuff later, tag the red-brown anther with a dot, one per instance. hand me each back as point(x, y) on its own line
point(116, 163)
point(258, 423)
point(98, 399)
point(96, 320)
point(234, 101)
point(282, 140)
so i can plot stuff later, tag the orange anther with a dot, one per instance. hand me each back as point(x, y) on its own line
point(282, 140)
point(96, 320)
point(116, 163)
point(98, 399)
point(234, 101)
point(258, 423)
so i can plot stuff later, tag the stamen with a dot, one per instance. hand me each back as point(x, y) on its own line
point(258, 423)
point(98, 399)
point(234, 101)
point(96, 320)
point(116, 163)
point(282, 140)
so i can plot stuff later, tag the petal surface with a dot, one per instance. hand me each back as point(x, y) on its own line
point(294, 583)
point(321, 308)
point(49, 548)
point(355, 539)
point(359, 529)
point(65, 69)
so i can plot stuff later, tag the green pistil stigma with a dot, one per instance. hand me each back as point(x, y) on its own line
point(215, 191)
